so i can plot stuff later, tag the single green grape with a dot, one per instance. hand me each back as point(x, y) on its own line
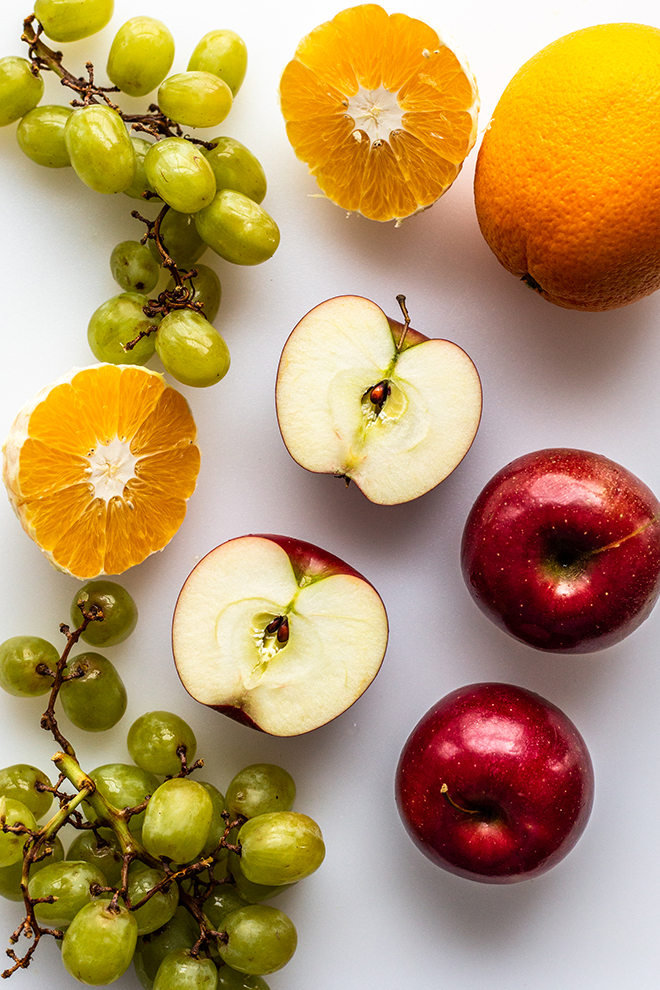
point(231, 979)
point(116, 322)
point(179, 236)
point(154, 740)
point(95, 698)
point(103, 853)
point(20, 89)
point(140, 56)
point(71, 883)
point(70, 20)
point(253, 893)
point(19, 782)
point(140, 183)
point(235, 167)
point(180, 970)
point(262, 939)
point(206, 290)
point(160, 908)
point(191, 349)
point(181, 932)
point(133, 267)
point(19, 658)
point(280, 847)
point(178, 171)
point(99, 943)
point(40, 135)
point(218, 825)
point(123, 786)
point(120, 612)
point(177, 820)
point(238, 229)
point(223, 53)
point(222, 899)
point(260, 788)
point(195, 99)
point(11, 844)
point(11, 876)
point(100, 148)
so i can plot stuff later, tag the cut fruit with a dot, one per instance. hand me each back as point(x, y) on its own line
point(362, 397)
point(382, 109)
point(99, 466)
point(277, 634)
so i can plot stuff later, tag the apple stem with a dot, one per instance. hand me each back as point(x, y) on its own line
point(401, 299)
point(630, 536)
point(444, 790)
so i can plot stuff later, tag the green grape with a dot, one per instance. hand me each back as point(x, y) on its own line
point(235, 167)
point(238, 229)
point(218, 825)
point(222, 899)
point(70, 20)
point(116, 322)
point(100, 148)
point(40, 135)
point(231, 979)
point(120, 612)
point(19, 782)
point(160, 908)
point(154, 739)
point(11, 876)
point(99, 943)
point(223, 53)
point(123, 786)
point(140, 183)
point(20, 90)
point(95, 699)
point(262, 939)
point(181, 932)
point(177, 820)
point(195, 99)
point(102, 850)
point(133, 268)
point(11, 844)
point(260, 788)
point(70, 883)
point(178, 171)
point(19, 658)
point(206, 290)
point(181, 971)
point(280, 847)
point(140, 56)
point(191, 349)
point(253, 893)
point(179, 236)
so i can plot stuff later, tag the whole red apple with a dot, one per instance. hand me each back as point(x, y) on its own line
point(562, 550)
point(495, 784)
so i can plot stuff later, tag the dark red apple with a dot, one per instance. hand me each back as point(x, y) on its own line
point(495, 784)
point(562, 550)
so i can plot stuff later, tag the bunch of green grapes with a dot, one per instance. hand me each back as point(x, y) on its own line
point(210, 192)
point(165, 871)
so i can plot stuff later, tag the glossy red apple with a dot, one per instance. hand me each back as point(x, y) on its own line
point(495, 784)
point(277, 634)
point(562, 550)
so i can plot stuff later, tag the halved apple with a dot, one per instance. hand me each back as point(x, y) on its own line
point(369, 399)
point(277, 634)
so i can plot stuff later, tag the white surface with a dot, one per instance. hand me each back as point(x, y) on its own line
point(377, 915)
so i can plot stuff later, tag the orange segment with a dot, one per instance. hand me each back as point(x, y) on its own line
point(99, 467)
point(381, 109)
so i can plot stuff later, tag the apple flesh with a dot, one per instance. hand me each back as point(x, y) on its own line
point(277, 634)
point(562, 550)
point(495, 784)
point(370, 400)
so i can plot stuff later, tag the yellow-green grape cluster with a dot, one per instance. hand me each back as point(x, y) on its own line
point(213, 188)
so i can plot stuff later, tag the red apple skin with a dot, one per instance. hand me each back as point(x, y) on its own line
point(519, 772)
point(562, 550)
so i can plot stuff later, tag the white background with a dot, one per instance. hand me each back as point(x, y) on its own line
point(377, 915)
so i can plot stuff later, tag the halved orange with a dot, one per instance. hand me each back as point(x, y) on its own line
point(382, 109)
point(99, 466)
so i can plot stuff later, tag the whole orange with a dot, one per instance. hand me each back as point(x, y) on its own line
point(567, 183)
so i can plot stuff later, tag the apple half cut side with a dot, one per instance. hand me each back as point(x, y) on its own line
point(277, 634)
point(371, 400)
